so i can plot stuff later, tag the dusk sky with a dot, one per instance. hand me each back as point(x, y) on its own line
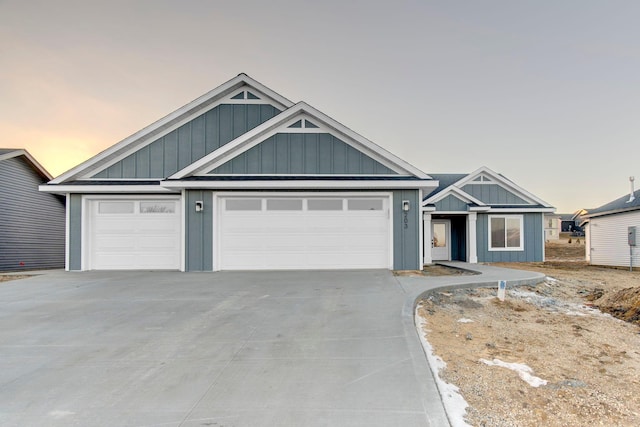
point(545, 92)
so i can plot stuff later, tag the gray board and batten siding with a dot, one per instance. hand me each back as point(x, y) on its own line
point(31, 222)
point(199, 231)
point(303, 154)
point(493, 194)
point(533, 241)
point(406, 233)
point(451, 204)
point(190, 142)
point(75, 231)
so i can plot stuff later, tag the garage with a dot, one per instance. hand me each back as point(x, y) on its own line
point(290, 232)
point(127, 234)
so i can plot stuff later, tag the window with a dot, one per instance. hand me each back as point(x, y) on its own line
point(505, 233)
point(115, 207)
point(284, 204)
point(324, 204)
point(243, 204)
point(157, 207)
point(365, 204)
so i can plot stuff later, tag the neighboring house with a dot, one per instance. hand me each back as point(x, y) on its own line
point(571, 223)
point(244, 179)
point(483, 217)
point(552, 226)
point(607, 232)
point(31, 223)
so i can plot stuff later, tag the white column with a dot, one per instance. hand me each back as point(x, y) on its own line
point(426, 220)
point(471, 238)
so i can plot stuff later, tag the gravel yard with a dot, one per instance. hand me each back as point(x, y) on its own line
point(546, 355)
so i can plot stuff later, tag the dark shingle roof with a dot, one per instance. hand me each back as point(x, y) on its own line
point(446, 179)
point(618, 205)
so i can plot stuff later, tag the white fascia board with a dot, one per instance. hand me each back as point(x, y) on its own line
point(479, 208)
point(454, 191)
point(219, 92)
point(613, 212)
point(279, 123)
point(21, 152)
point(103, 189)
point(521, 210)
point(311, 184)
point(505, 182)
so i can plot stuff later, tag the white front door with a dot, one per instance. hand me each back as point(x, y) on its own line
point(440, 240)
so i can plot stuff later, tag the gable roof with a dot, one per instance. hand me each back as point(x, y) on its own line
point(452, 184)
point(282, 122)
point(170, 122)
point(9, 153)
point(619, 205)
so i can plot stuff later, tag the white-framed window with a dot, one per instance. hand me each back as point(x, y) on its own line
point(506, 233)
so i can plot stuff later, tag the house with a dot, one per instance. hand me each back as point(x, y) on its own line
point(243, 178)
point(607, 231)
point(552, 226)
point(31, 223)
point(571, 223)
point(482, 217)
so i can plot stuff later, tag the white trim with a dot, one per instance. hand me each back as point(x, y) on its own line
point(472, 240)
point(506, 249)
point(502, 181)
point(295, 184)
point(215, 246)
point(106, 189)
point(67, 223)
point(22, 152)
point(452, 190)
point(427, 256)
point(183, 231)
point(420, 233)
point(221, 91)
point(258, 134)
point(298, 194)
point(521, 210)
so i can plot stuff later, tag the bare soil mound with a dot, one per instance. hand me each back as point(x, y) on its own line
point(623, 304)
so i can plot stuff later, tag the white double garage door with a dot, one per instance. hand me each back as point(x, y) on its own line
point(250, 233)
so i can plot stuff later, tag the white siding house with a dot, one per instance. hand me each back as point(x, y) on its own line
point(607, 232)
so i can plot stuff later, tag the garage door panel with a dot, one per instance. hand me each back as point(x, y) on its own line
point(320, 239)
point(134, 234)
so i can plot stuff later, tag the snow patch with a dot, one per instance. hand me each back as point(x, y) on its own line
point(524, 371)
point(454, 404)
point(464, 320)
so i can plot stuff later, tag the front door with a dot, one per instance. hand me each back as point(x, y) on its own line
point(440, 238)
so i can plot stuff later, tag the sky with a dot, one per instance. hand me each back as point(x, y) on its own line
point(546, 93)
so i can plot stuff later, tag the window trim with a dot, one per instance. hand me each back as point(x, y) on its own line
point(506, 248)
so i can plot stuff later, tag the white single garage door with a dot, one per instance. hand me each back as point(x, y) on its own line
point(134, 234)
point(260, 233)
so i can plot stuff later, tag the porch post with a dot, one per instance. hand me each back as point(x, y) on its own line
point(471, 237)
point(426, 219)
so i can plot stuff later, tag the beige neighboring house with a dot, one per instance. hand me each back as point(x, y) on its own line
point(552, 222)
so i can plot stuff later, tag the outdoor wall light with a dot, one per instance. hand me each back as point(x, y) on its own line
point(199, 206)
point(405, 205)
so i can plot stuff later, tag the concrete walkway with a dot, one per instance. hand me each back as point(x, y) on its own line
point(327, 348)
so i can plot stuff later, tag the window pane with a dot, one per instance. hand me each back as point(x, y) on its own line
point(115, 207)
point(439, 235)
point(497, 233)
point(243, 204)
point(513, 232)
point(284, 204)
point(324, 204)
point(157, 207)
point(365, 204)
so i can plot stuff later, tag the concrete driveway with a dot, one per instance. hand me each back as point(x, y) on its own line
point(215, 349)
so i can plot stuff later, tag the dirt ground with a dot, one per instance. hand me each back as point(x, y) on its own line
point(584, 364)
